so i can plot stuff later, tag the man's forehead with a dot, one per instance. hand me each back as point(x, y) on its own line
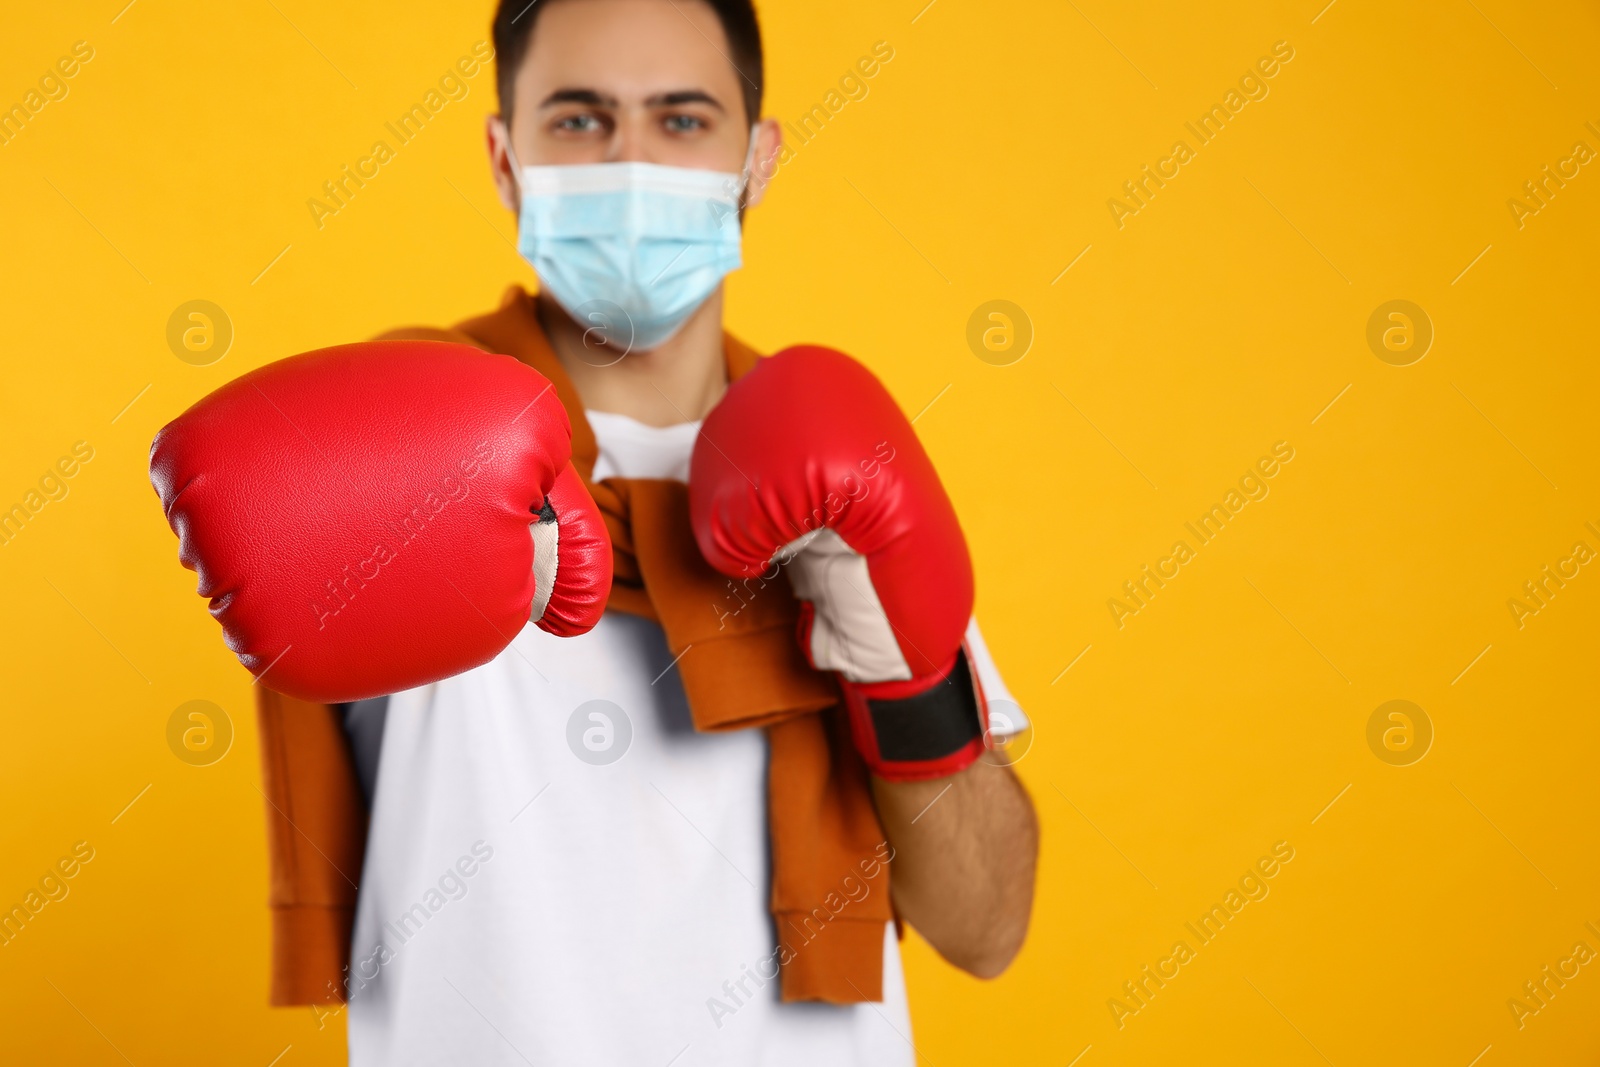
point(628, 51)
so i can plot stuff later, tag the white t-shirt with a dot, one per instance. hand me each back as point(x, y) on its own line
point(552, 880)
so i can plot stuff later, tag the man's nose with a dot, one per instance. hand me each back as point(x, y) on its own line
point(630, 140)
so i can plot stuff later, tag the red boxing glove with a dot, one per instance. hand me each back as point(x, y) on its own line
point(808, 462)
point(379, 516)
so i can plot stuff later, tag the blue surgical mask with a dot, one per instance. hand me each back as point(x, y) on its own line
point(630, 250)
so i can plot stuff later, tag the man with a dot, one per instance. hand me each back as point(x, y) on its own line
point(622, 862)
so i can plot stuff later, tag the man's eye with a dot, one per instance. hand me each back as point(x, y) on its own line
point(579, 124)
point(684, 123)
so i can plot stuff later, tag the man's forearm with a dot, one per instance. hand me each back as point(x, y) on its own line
point(965, 850)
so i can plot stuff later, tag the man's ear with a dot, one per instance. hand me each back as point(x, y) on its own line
point(496, 139)
point(764, 164)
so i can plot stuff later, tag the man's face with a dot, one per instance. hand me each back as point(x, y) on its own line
point(628, 80)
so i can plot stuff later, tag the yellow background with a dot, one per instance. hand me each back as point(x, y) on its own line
point(1222, 318)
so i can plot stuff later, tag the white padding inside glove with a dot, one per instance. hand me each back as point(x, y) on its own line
point(546, 550)
point(850, 632)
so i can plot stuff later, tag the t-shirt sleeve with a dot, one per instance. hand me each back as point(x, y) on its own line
point(1006, 717)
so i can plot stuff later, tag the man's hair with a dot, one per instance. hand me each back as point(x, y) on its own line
point(513, 34)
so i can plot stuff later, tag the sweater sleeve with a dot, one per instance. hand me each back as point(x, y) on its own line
point(316, 834)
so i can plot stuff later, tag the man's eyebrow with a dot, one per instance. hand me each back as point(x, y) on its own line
point(578, 96)
point(684, 96)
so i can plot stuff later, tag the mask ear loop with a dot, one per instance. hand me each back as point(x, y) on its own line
point(748, 170)
point(516, 167)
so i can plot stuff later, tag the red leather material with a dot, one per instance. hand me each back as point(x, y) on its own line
point(583, 571)
point(810, 438)
point(359, 516)
point(799, 442)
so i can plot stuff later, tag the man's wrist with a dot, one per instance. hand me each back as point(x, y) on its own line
point(920, 728)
